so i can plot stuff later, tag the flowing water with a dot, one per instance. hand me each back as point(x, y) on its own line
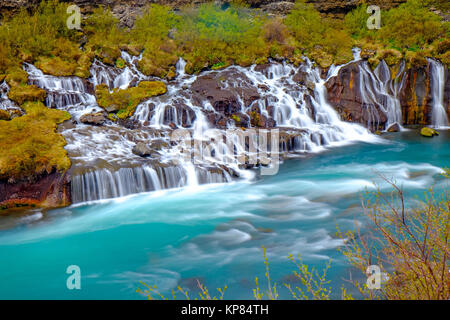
point(104, 166)
point(439, 117)
point(167, 220)
point(380, 92)
point(213, 232)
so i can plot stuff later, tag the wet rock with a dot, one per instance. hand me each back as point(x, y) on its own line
point(97, 118)
point(345, 96)
point(394, 128)
point(143, 150)
point(47, 190)
point(223, 88)
point(158, 144)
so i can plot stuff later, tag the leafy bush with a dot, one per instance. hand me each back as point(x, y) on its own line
point(212, 35)
point(324, 40)
point(410, 244)
point(411, 25)
point(305, 23)
point(356, 21)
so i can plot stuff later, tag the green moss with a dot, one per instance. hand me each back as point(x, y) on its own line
point(16, 76)
point(4, 115)
point(30, 145)
point(120, 63)
point(23, 93)
point(56, 66)
point(236, 119)
point(123, 102)
point(428, 132)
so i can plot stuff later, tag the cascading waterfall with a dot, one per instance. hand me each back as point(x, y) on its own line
point(301, 111)
point(124, 172)
point(380, 92)
point(439, 114)
point(65, 93)
point(5, 103)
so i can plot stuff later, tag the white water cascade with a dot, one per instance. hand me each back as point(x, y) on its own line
point(5, 103)
point(437, 73)
point(380, 92)
point(104, 166)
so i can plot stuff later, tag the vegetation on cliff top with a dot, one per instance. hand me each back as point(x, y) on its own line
point(409, 31)
point(212, 36)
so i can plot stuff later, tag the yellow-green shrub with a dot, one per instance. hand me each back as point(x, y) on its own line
point(411, 25)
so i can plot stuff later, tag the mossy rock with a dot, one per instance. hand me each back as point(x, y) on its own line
point(322, 58)
point(123, 102)
point(133, 49)
point(416, 59)
point(120, 63)
point(16, 76)
point(4, 115)
point(108, 54)
point(84, 63)
point(22, 93)
point(56, 66)
point(392, 57)
point(428, 132)
point(30, 144)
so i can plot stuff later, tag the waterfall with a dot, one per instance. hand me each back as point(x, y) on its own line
point(380, 92)
point(104, 163)
point(64, 93)
point(5, 103)
point(104, 183)
point(117, 77)
point(437, 74)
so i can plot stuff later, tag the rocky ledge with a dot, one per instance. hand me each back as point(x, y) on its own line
point(50, 190)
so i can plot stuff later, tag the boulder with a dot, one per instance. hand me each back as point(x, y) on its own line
point(97, 118)
point(428, 132)
point(143, 150)
point(394, 128)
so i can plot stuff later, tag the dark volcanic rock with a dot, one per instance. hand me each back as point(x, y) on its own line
point(49, 190)
point(345, 96)
point(394, 128)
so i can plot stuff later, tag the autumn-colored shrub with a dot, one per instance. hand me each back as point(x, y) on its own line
point(408, 242)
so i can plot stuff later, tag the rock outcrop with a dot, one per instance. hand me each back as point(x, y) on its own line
point(415, 97)
point(49, 190)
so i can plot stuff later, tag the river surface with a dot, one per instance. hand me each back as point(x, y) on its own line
point(214, 232)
